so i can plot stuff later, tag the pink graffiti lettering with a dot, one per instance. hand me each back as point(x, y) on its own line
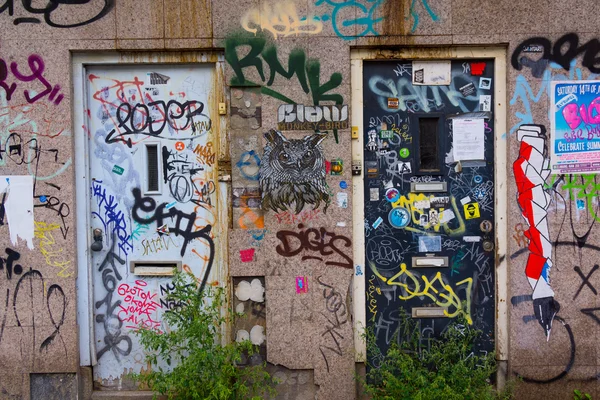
point(137, 308)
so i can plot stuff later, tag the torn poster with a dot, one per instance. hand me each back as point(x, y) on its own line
point(447, 215)
point(468, 139)
point(431, 72)
point(430, 244)
point(18, 207)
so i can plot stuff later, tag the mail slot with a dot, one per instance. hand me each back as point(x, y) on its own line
point(428, 262)
point(429, 186)
point(158, 268)
point(429, 312)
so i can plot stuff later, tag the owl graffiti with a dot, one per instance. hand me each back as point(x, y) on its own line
point(293, 171)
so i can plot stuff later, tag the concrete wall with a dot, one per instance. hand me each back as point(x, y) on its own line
point(305, 331)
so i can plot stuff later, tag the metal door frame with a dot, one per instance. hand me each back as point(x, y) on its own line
point(80, 61)
point(498, 54)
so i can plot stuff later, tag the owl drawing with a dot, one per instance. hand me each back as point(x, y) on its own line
point(293, 171)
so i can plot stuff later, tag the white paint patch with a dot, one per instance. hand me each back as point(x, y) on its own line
point(447, 215)
point(242, 335)
point(19, 207)
point(250, 291)
point(374, 194)
point(257, 335)
point(422, 204)
point(239, 308)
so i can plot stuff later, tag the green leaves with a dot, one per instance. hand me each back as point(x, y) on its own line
point(188, 361)
point(449, 369)
point(578, 395)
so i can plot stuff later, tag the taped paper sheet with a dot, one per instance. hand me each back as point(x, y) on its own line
point(468, 139)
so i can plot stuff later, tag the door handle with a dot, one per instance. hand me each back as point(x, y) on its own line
point(97, 236)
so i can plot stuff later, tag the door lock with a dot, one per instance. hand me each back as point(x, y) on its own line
point(97, 236)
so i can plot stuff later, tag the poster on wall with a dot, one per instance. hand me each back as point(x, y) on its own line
point(431, 72)
point(575, 120)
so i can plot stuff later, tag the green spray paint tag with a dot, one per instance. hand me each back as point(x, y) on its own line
point(118, 170)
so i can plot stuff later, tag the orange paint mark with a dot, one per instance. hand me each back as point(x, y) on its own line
point(251, 220)
point(205, 258)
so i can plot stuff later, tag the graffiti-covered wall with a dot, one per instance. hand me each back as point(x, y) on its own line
point(218, 139)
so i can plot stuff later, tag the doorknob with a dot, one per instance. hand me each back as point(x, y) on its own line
point(97, 236)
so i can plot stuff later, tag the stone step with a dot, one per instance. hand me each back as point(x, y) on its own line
point(123, 395)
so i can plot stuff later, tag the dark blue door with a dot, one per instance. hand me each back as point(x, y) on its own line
point(429, 196)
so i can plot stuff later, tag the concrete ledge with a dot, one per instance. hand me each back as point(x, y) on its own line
point(124, 395)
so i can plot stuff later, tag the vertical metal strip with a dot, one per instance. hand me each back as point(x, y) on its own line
point(358, 213)
point(84, 282)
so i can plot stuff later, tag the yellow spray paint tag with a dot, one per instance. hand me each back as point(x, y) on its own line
point(471, 210)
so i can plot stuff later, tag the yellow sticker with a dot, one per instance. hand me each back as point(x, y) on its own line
point(471, 210)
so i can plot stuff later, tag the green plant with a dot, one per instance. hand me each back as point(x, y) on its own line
point(449, 369)
point(577, 395)
point(189, 361)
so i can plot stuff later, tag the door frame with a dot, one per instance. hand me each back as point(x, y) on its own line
point(80, 62)
point(498, 54)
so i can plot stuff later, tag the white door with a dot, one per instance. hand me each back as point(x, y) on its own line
point(152, 199)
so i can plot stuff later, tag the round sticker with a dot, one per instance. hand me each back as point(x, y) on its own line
point(392, 195)
point(179, 146)
point(343, 185)
point(477, 179)
point(404, 152)
point(399, 217)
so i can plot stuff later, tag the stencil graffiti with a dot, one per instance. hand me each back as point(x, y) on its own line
point(293, 171)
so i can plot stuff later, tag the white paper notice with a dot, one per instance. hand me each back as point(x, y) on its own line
point(447, 215)
point(431, 72)
point(468, 139)
point(19, 207)
point(465, 200)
